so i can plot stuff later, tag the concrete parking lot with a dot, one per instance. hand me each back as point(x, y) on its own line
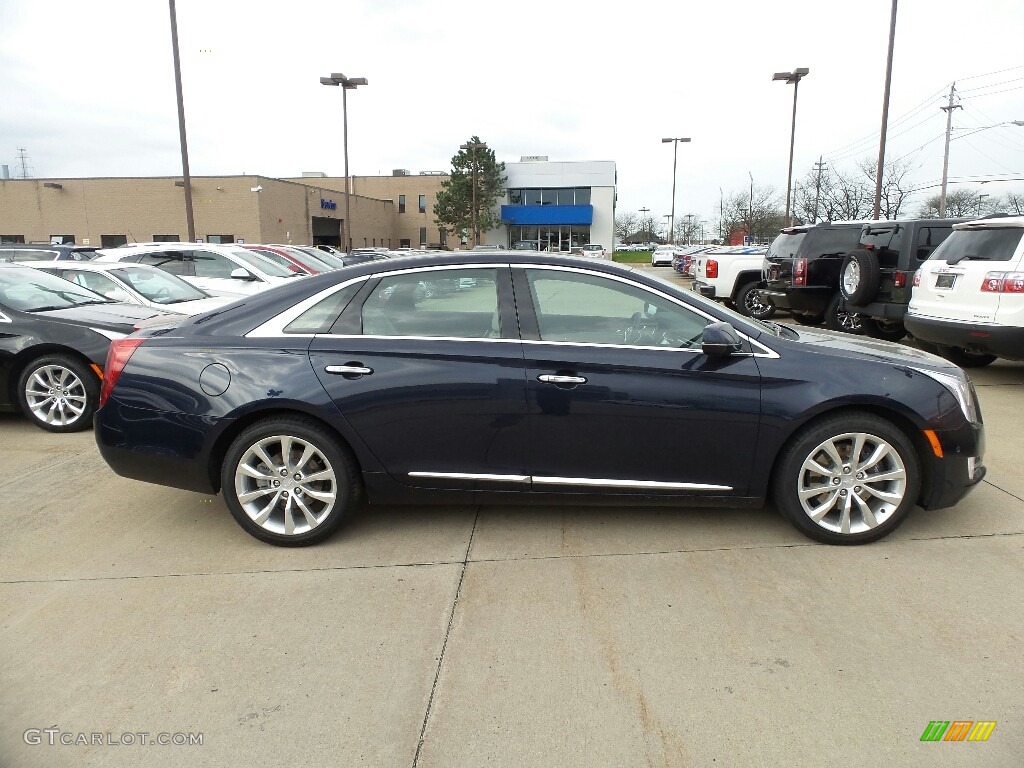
point(434, 636)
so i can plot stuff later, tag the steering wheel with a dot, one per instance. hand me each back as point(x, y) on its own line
point(161, 293)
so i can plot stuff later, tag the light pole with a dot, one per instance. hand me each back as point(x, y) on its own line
point(347, 84)
point(669, 219)
point(791, 78)
point(980, 198)
point(185, 175)
point(689, 229)
point(880, 167)
point(675, 154)
point(472, 153)
point(647, 210)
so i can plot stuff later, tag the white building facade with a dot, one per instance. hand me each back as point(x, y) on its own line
point(555, 206)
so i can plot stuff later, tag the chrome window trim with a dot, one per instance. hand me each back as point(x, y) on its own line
point(4, 318)
point(768, 351)
point(405, 338)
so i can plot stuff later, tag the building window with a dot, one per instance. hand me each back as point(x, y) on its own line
point(443, 237)
point(220, 238)
point(12, 238)
point(423, 235)
point(401, 203)
point(404, 242)
point(515, 197)
point(112, 241)
point(62, 239)
point(423, 204)
point(582, 195)
point(166, 239)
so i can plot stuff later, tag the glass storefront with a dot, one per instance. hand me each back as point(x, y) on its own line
point(549, 237)
point(553, 196)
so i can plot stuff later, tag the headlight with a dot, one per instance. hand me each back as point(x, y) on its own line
point(959, 387)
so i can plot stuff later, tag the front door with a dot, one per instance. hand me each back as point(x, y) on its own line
point(621, 399)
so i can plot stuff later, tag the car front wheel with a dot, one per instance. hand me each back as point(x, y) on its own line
point(59, 393)
point(749, 302)
point(288, 482)
point(848, 479)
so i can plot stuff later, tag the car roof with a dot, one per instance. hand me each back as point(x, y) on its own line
point(1002, 222)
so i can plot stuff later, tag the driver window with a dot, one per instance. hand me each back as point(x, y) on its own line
point(590, 309)
point(208, 264)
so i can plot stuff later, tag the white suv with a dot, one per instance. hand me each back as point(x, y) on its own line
point(220, 270)
point(968, 298)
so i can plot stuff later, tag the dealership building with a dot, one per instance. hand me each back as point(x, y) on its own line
point(555, 205)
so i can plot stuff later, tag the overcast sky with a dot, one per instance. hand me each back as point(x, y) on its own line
point(88, 89)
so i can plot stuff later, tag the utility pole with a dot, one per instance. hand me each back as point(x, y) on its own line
point(819, 167)
point(186, 176)
point(885, 114)
point(948, 109)
point(647, 210)
point(721, 215)
point(750, 210)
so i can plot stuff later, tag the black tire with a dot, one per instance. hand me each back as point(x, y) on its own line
point(806, 319)
point(837, 319)
point(60, 385)
point(750, 304)
point(886, 330)
point(841, 429)
point(289, 493)
point(858, 277)
point(966, 359)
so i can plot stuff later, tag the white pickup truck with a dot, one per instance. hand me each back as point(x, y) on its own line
point(730, 274)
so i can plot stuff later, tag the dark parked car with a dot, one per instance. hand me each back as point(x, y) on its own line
point(45, 252)
point(801, 273)
point(548, 378)
point(54, 338)
point(875, 279)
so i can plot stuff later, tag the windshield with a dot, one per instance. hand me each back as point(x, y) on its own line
point(328, 258)
point(308, 260)
point(159, 286)
point(267, 267)
point(982, 244)
point(31, 290)
point(277, 258)
point(785, 246)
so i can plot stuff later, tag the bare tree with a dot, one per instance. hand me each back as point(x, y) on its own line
point(627, 224)
point(835, 195)
point(688, 229)
point(760, 215)
point(960, 203)
point(894, 190)
point(1013, 203)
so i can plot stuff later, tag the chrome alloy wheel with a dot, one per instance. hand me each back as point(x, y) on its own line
point(286, 485)
point(852, 483)
point(851, 277)
point(55, 395)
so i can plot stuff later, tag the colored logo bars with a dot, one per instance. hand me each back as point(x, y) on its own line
point(958, 730)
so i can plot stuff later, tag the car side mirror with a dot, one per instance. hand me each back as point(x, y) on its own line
point(720, 340)
point(242, 274)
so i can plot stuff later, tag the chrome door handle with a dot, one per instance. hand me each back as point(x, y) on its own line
point(548, 378)
point(349, 370)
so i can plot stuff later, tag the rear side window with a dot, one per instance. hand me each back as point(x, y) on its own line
point(29, 254)
point(169, 261)
point(785, 246)
point(978, 245)
point(321, 316)
point(832, 242)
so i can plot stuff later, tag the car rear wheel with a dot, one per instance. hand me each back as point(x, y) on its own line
point(839, 319)
point(59, 393)
point(848, 479)
point(805, 319)
point(858, 277)
point(966, 359)
point(288, 482)
point(887, 330)
point(752, 305)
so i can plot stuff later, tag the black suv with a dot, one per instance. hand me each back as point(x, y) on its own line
point(877, 277)
point(801, 273)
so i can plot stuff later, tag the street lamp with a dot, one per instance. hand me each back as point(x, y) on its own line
point(791, 78)
point(689, 229)
point(675, 153)
point(347, 84)
point(185, 175)
point(669, 221)
point(472, 151)
point(647, 210)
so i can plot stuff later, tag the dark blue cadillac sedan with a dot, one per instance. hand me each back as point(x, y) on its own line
point(520, 377)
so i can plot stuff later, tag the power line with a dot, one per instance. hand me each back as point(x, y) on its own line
point(870, 138)
point(989, 74)
point(995, 93)
point(992, 85)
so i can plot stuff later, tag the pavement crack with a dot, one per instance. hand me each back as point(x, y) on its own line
point(444, 644)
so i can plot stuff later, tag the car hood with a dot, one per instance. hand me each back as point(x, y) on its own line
point(863, 348)
point(114, 317)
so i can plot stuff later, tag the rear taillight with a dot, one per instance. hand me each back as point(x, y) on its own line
point(1003, 282)
point(800, 272)
point(917, 278)
point(900, 279)
point(117, 357)
point(711, 269)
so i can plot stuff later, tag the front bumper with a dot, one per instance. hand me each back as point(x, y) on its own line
point(960, 469)
point(999, 340)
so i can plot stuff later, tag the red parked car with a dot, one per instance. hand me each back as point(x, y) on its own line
point(292, 258)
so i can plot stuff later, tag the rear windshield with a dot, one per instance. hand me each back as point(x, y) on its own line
point(978, 245)
point(785, 245)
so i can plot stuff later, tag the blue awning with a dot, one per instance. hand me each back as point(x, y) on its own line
point(547, 214)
